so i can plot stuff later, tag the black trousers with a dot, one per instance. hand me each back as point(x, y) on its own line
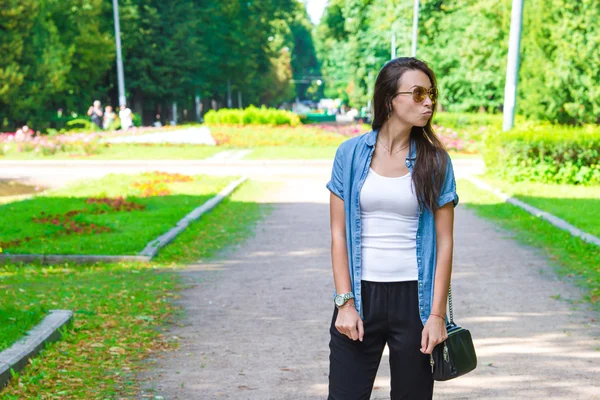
point(391, 316)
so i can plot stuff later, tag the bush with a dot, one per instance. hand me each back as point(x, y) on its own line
point(81, 125)
point(545, 153)
point(252, 116)
point(468, 120)
point(136, 119)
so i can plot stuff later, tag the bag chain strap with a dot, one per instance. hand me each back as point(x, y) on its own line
point(450, 304)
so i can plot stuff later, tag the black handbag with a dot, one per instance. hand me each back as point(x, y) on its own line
point(456, 355)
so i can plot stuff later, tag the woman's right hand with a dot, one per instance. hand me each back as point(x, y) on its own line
point(349, 323)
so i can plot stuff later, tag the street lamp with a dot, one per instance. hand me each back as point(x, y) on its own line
point(512, 70)
point(120, 77)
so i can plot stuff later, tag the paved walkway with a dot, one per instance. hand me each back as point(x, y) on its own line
point(256, 322)
point(55, 173)
point(193, 135)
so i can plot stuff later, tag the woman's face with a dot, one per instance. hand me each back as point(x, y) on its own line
point(404, 107)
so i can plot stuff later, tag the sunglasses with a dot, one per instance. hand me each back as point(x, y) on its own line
point(419, 93)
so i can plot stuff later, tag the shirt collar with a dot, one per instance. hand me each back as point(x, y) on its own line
point(372, 137)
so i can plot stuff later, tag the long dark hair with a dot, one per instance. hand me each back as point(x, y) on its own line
point(429, 170)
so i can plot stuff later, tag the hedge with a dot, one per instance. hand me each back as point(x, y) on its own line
point(545, 153)
point(252, 116)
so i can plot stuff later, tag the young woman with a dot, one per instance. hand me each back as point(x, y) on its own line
point(392, 203)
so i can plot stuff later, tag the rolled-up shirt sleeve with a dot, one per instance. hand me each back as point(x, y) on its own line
point(448, 192)
point(335, 183)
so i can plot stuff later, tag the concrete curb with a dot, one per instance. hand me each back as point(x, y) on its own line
point(49, 330)
point(152, 248)
point(554, 220)
point(63, 258)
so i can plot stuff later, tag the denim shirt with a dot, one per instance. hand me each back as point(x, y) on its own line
point(350, 167)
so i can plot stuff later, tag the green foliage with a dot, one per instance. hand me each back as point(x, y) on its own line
point(466, 44)
point(545, 153)
point(60, 55)
point(252, 116)
point(560, 73)
point(468, 120)
point(52, 53)
point(82, 125)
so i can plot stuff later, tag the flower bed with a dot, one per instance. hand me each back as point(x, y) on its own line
point(82, 143)
point(265, 136)
point(455, 142)
point(455, 139)
point(117, 215)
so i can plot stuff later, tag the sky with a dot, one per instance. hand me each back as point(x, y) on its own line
point(315, 9)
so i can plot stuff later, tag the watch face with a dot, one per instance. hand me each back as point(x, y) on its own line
point(339, 300)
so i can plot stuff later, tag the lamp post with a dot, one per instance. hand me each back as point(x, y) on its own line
point(512, 68)
point(120, 77)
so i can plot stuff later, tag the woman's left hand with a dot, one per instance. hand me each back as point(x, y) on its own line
point(434, 333)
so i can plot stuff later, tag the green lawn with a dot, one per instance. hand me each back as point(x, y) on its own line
point(576, 204)
point(99, 228)
point(119, 309)
point(197, 243)
point(572, 256)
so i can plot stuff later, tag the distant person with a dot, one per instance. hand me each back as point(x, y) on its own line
point(125, 116)
point(109, 117)
point(157, 123)
point(392, 203)
point(95, 112)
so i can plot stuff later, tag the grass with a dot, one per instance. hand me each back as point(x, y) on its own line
point(576, 204)
point(203, 240)
point(119, 309)
point(130, 230)
point(573, 257)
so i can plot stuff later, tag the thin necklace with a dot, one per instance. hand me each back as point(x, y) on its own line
point(385, 147)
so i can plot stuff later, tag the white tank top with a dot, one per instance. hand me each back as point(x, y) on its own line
point(389, 216)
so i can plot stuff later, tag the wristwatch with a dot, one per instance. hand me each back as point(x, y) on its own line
point(343, 298)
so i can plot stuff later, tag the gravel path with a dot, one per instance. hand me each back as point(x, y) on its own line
point(256, 321)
